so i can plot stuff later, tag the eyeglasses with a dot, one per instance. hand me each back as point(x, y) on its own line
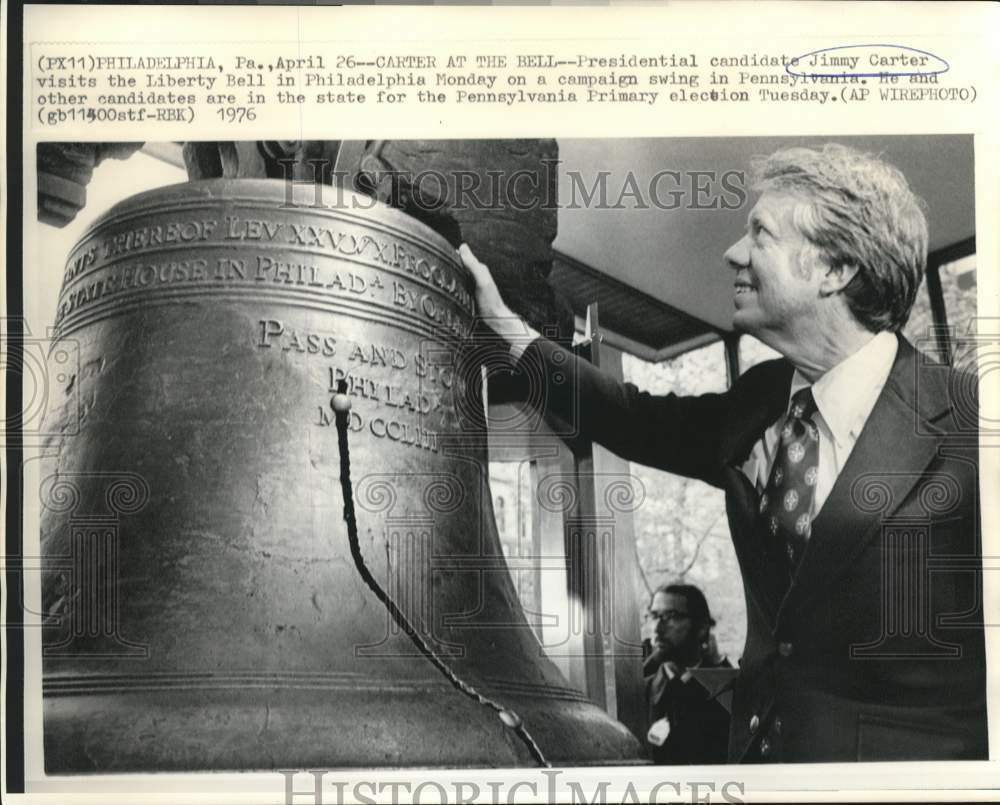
point(667, 615)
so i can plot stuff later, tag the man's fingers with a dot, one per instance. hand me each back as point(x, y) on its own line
point(489, 303)
point(480, 273)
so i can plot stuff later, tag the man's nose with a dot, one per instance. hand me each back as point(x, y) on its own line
point(737, 256)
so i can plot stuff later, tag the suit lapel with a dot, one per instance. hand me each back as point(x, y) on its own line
point(755, 412)
point(894, 448)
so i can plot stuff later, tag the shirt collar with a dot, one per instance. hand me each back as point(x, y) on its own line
point(685, 676)
point(846, 394)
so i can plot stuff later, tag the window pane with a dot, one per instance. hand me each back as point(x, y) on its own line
point(753, 352)
point(681, 529)
point(958, 284)
point(958, 288)
point(510, 488)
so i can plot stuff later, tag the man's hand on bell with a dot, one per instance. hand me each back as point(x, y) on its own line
point(489, 304)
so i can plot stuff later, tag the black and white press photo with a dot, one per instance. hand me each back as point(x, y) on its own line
point(510, 452)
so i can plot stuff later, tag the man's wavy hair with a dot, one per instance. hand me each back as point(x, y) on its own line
point(858, 210)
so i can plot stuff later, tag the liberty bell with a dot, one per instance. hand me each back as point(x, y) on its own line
point(209, 606)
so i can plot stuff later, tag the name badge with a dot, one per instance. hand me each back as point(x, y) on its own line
point(658, 733)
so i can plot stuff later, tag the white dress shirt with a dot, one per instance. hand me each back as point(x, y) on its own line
point(845, 397)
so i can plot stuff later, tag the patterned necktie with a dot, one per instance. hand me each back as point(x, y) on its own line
point(786, 505)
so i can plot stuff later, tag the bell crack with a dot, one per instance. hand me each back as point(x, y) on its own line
point(267, 720)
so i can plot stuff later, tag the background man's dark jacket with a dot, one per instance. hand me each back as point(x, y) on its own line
point(875, 651)
point(699, 724)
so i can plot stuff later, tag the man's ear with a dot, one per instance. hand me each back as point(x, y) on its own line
point(836, 278)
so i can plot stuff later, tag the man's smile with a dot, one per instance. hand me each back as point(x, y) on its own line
point(743, 286)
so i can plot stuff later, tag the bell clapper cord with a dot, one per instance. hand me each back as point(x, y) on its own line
point(341, 405)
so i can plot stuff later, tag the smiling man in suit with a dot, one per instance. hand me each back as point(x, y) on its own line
point(851, 477)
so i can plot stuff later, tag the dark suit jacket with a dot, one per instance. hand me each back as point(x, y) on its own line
point(875, 650)
point(699, 724)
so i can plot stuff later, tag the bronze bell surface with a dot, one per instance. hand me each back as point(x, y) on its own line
point(206, 609)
